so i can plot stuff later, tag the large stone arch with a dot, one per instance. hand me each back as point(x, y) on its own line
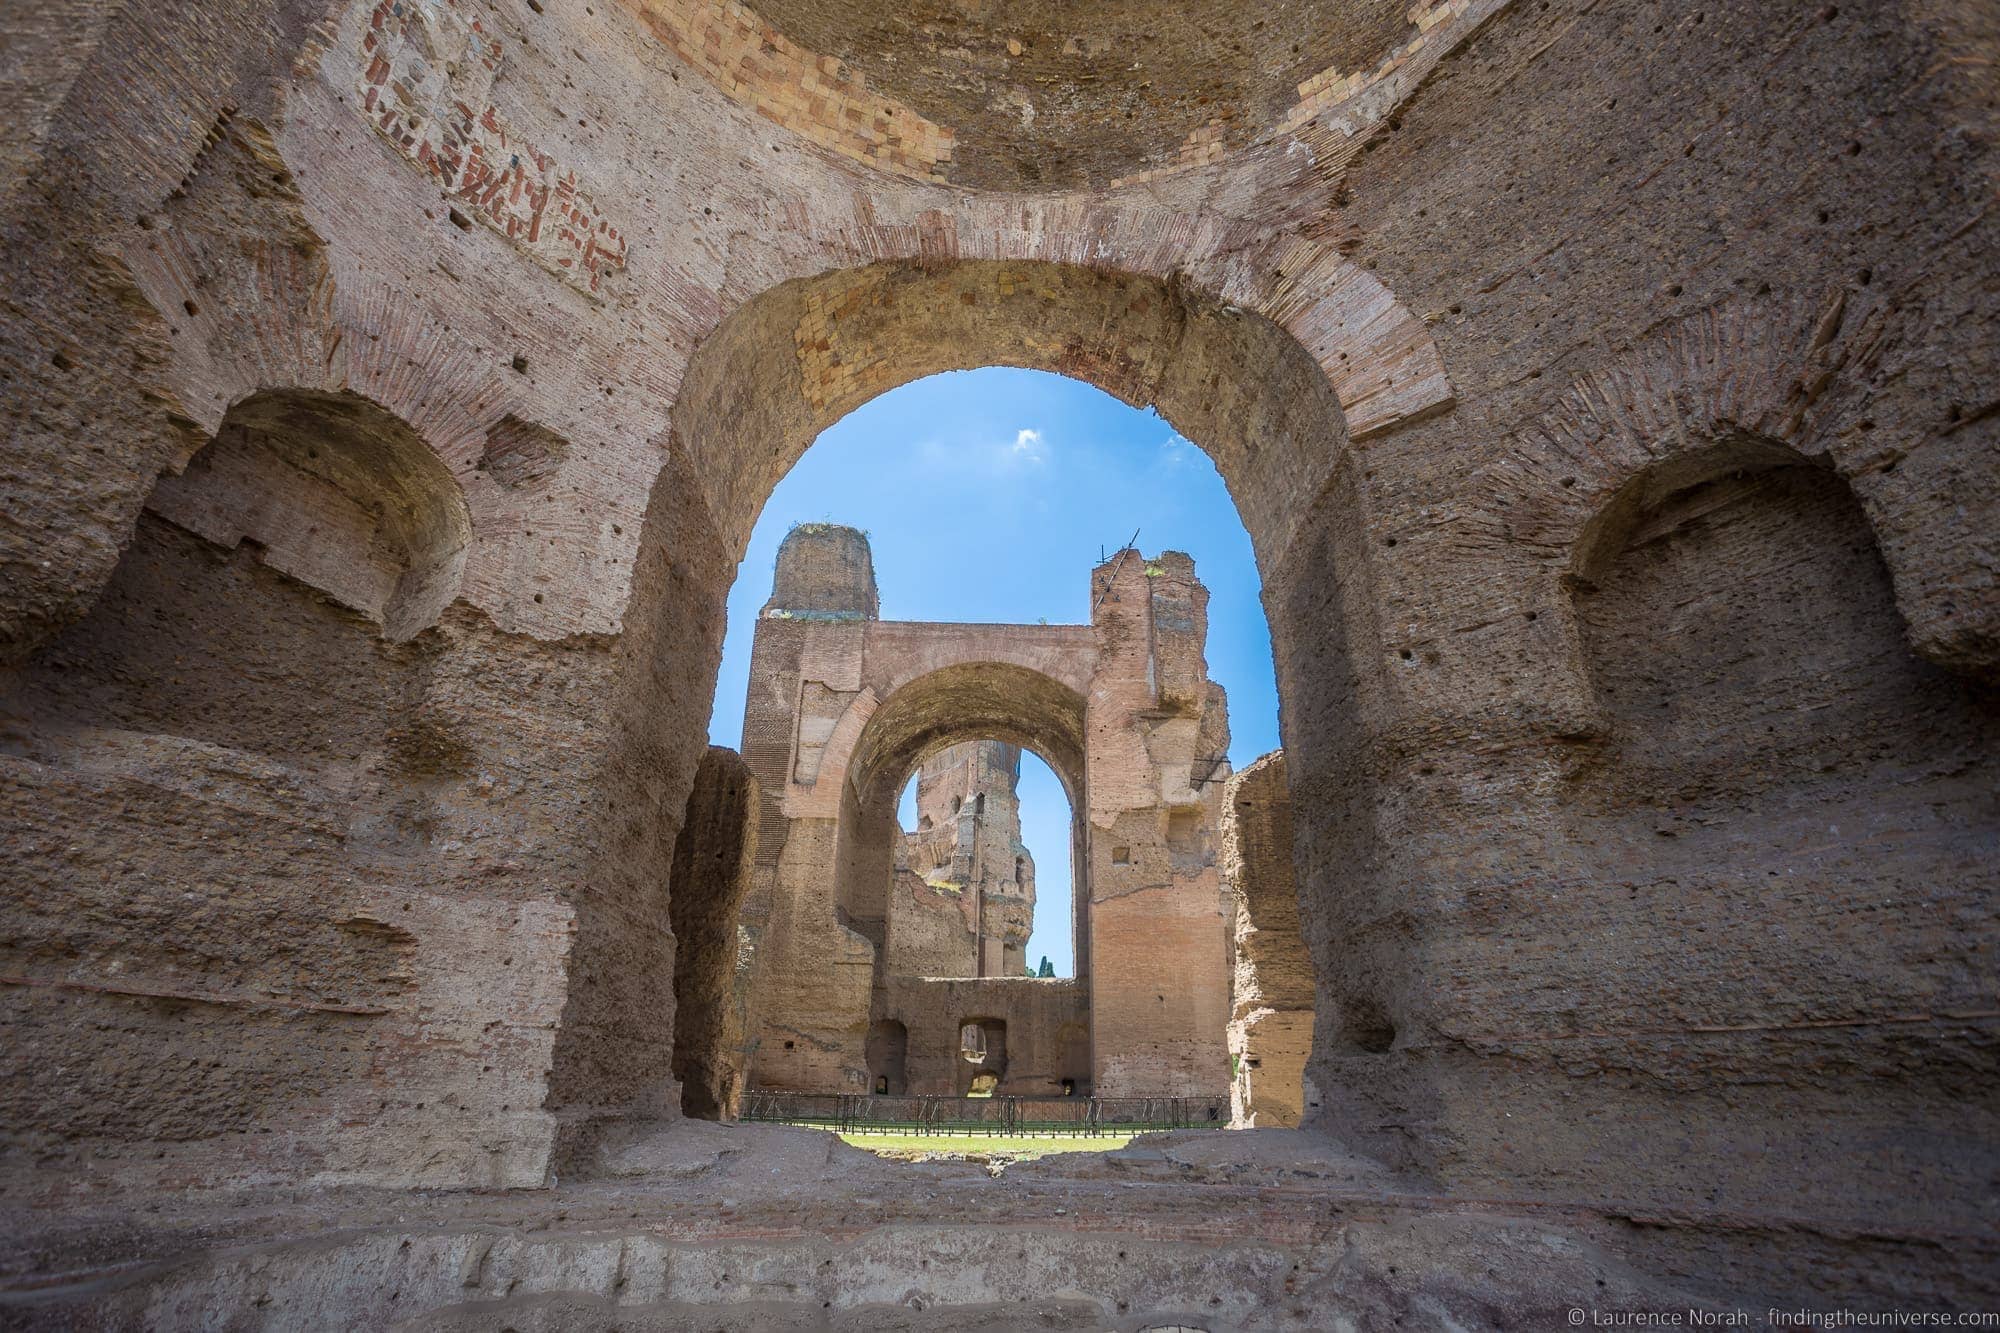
point(995, 699)
point(796, 358)
point(805, 353)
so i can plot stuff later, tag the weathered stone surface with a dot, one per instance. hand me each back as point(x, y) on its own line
point(712, 864)
point(1606, 389)
point(1271, 992)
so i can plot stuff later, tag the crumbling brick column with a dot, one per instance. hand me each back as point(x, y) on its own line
point(1157, 737)
point(1271, 989)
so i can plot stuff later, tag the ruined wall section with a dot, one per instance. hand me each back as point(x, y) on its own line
point(1046, 1023)
point(814, 958)
point(1272, 986)
point(840, 718)
point(328, 902)
point(973, 876)
point(1540, 864)
point(931, 926)
point(1157, 743)
point(825, 570)
point(713, 862)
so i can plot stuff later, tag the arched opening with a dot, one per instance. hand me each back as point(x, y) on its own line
point(928, 735)
point(983, 1057)
point(937, 904)
point(888, 1057)
point(1272, 432)
point(965, 898)
point(931, 923)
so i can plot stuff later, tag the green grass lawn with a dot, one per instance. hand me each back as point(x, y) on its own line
point(1011, 1145)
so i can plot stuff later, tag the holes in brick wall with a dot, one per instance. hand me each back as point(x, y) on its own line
point(387, 527)
point(521, 453)
point(1365, 1026)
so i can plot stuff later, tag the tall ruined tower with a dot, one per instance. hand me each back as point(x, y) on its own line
point(967, 843)
point(1157, 740)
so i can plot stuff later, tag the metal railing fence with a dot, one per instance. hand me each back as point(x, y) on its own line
point(987, 1115)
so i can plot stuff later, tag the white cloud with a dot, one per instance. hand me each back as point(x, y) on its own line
point(1177, 450)
point(982, 452)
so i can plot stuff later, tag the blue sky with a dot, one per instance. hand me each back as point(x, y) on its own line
point(987, 495)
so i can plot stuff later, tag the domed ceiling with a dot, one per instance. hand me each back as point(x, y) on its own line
point(1042, 94)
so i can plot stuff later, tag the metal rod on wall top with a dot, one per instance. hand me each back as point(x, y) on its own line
point(1128, 546)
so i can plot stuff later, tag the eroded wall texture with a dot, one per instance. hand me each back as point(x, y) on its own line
point(1271, 990)
point(711, 874)
point(1606, 390)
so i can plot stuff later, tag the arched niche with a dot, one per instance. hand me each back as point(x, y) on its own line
point(888, 1056)
point(262, 597)
point(982, 1056)
point(1735, 616)
point(231, 715)
point(1785, 825)
point(338, 493)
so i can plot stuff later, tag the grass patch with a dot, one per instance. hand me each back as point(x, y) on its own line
point(998, 1145)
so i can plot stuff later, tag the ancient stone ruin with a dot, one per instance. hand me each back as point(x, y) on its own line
point(862, 976)
point(1271, 990)
point(1608, 392)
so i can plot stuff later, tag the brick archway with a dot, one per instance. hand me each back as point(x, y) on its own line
point(801, 355)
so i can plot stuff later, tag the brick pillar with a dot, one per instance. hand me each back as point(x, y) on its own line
point(1156, 731)
point(808, 1010)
